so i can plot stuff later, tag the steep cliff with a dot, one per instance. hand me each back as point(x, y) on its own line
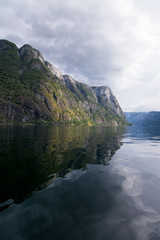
point(32, 90)
point(106, 98)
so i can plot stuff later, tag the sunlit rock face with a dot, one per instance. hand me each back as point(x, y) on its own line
point(107, 99)
point(54, 70)
point(27, 53)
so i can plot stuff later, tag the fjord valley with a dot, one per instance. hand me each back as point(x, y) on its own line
point(68, 180)
point(32, 90)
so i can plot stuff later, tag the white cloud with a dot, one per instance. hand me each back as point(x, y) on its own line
point(99, 42)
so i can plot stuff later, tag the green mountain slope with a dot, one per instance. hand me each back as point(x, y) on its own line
point(34, 91)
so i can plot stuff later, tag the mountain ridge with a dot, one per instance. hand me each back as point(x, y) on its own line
point(136, 118)
point(151, 118)
point(32, 90)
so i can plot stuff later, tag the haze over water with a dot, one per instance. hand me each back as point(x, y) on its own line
point(79, 183)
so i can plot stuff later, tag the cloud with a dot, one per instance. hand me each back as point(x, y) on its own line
point(98, 42)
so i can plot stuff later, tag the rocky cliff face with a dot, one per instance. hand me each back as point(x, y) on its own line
point(107, 99)
point(54, 71)
point(27, 53)
point(33, 91)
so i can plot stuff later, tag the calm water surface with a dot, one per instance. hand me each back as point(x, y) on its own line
point(73, 183)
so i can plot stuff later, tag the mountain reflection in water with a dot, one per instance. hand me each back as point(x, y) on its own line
point(115, 197)
point(32, 157)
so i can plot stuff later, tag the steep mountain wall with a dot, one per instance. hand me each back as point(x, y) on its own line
point(32, 90)
point(107, 99)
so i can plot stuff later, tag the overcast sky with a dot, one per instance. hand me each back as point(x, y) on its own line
point(99, 42)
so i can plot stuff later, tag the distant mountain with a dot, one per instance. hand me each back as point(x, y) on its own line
point(32, 90)
point(152, 119)
point(143, 118)
point(136, 118)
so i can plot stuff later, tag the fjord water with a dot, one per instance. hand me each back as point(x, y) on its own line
point(65, 182)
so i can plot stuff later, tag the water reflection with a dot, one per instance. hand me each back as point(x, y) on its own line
point(32, 157)
point(143, 133)
point(84, 205)
point(114, 202)
point(139, 162)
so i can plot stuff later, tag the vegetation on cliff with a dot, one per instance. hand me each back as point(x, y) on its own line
point(34, 91)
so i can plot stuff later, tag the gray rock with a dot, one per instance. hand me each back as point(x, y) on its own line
point(54, 70)
point(107, 99)
point(27, 52)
